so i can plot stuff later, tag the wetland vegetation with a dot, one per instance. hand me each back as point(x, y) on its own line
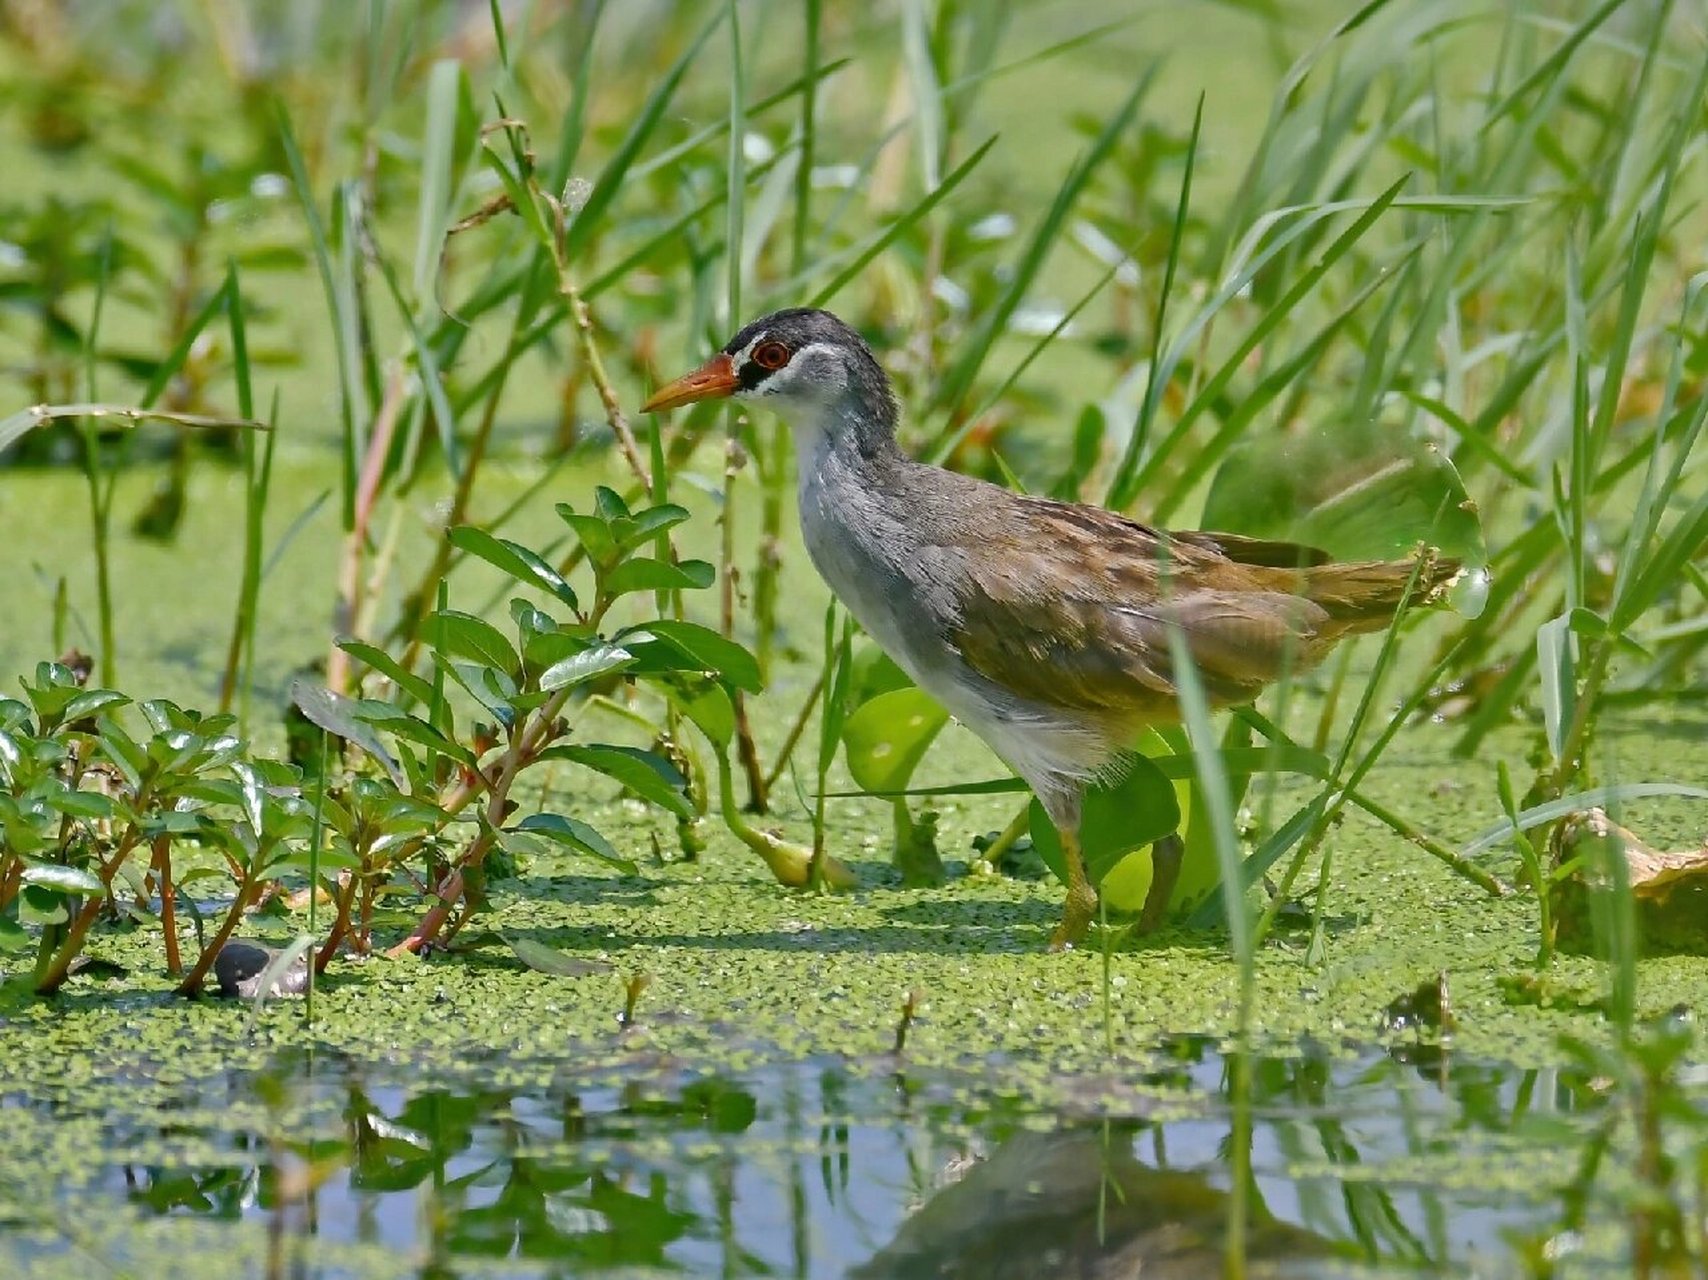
point(645, 918)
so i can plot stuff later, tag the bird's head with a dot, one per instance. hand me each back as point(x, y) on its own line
point(806, 365)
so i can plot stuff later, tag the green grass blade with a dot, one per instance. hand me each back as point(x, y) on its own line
point(611, 177)
point(958, 380)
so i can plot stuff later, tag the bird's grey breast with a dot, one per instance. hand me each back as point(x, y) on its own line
point(864, 546)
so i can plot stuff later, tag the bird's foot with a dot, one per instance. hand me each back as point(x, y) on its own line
point(1077, 915)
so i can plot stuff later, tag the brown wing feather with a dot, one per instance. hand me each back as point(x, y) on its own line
point(1067, 605)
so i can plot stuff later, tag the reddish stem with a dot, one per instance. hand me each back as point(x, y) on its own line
point(192, 983)
point(450, 889)
point(168, 903)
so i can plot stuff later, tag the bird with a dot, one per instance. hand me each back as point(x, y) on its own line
point(1043, 626)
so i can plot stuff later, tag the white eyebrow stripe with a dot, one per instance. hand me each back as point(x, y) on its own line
point(742, 356)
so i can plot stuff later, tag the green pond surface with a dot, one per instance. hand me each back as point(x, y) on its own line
point(1049, 1115)
point(331, 1165)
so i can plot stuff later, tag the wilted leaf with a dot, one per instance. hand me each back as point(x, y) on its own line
point(543, 959)
point(1669, 888)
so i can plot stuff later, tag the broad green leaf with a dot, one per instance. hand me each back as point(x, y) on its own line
point(647, 774)
point(600, 659)
point(90, 702)
point(40, 905)
point(652, 522)
point(575, 834)
point(608, 504)
point(489, 686)
point(643, 573)
point(83, 804)
point(888, 736)
point(1556, 667)
point(253, 802)
point(393, 720)
point(710, 708)
point(514, 559)
point(593, 532)
point(50, 875)
point(462, 635)
point(709, 651)
point(343, 718)
point(13, 936)
point(391, 669)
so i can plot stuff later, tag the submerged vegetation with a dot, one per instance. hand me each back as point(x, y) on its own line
point(384, 283)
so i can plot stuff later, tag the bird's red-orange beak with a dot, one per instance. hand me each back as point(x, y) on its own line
point(711, 381)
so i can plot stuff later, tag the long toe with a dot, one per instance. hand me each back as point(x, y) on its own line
point(1076, 918)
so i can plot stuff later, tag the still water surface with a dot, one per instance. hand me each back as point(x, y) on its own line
point(322, 1168)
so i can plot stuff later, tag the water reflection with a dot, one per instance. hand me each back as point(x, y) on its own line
point(831, 1169)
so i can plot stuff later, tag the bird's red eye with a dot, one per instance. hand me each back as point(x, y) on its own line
point(770, 355)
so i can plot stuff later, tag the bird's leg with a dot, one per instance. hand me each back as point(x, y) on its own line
point(1166, 857)
point(1081, 903)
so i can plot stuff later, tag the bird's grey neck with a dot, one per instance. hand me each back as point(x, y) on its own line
point(847, 433)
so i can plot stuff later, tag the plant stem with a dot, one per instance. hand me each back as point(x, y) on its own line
point(614, 414)
point(60, 968)
point(789, 862)
point(348, 605)
point(168, 903)
point(192, 983)
point(795, 731)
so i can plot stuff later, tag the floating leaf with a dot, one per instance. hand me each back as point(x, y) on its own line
point(543, 959)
